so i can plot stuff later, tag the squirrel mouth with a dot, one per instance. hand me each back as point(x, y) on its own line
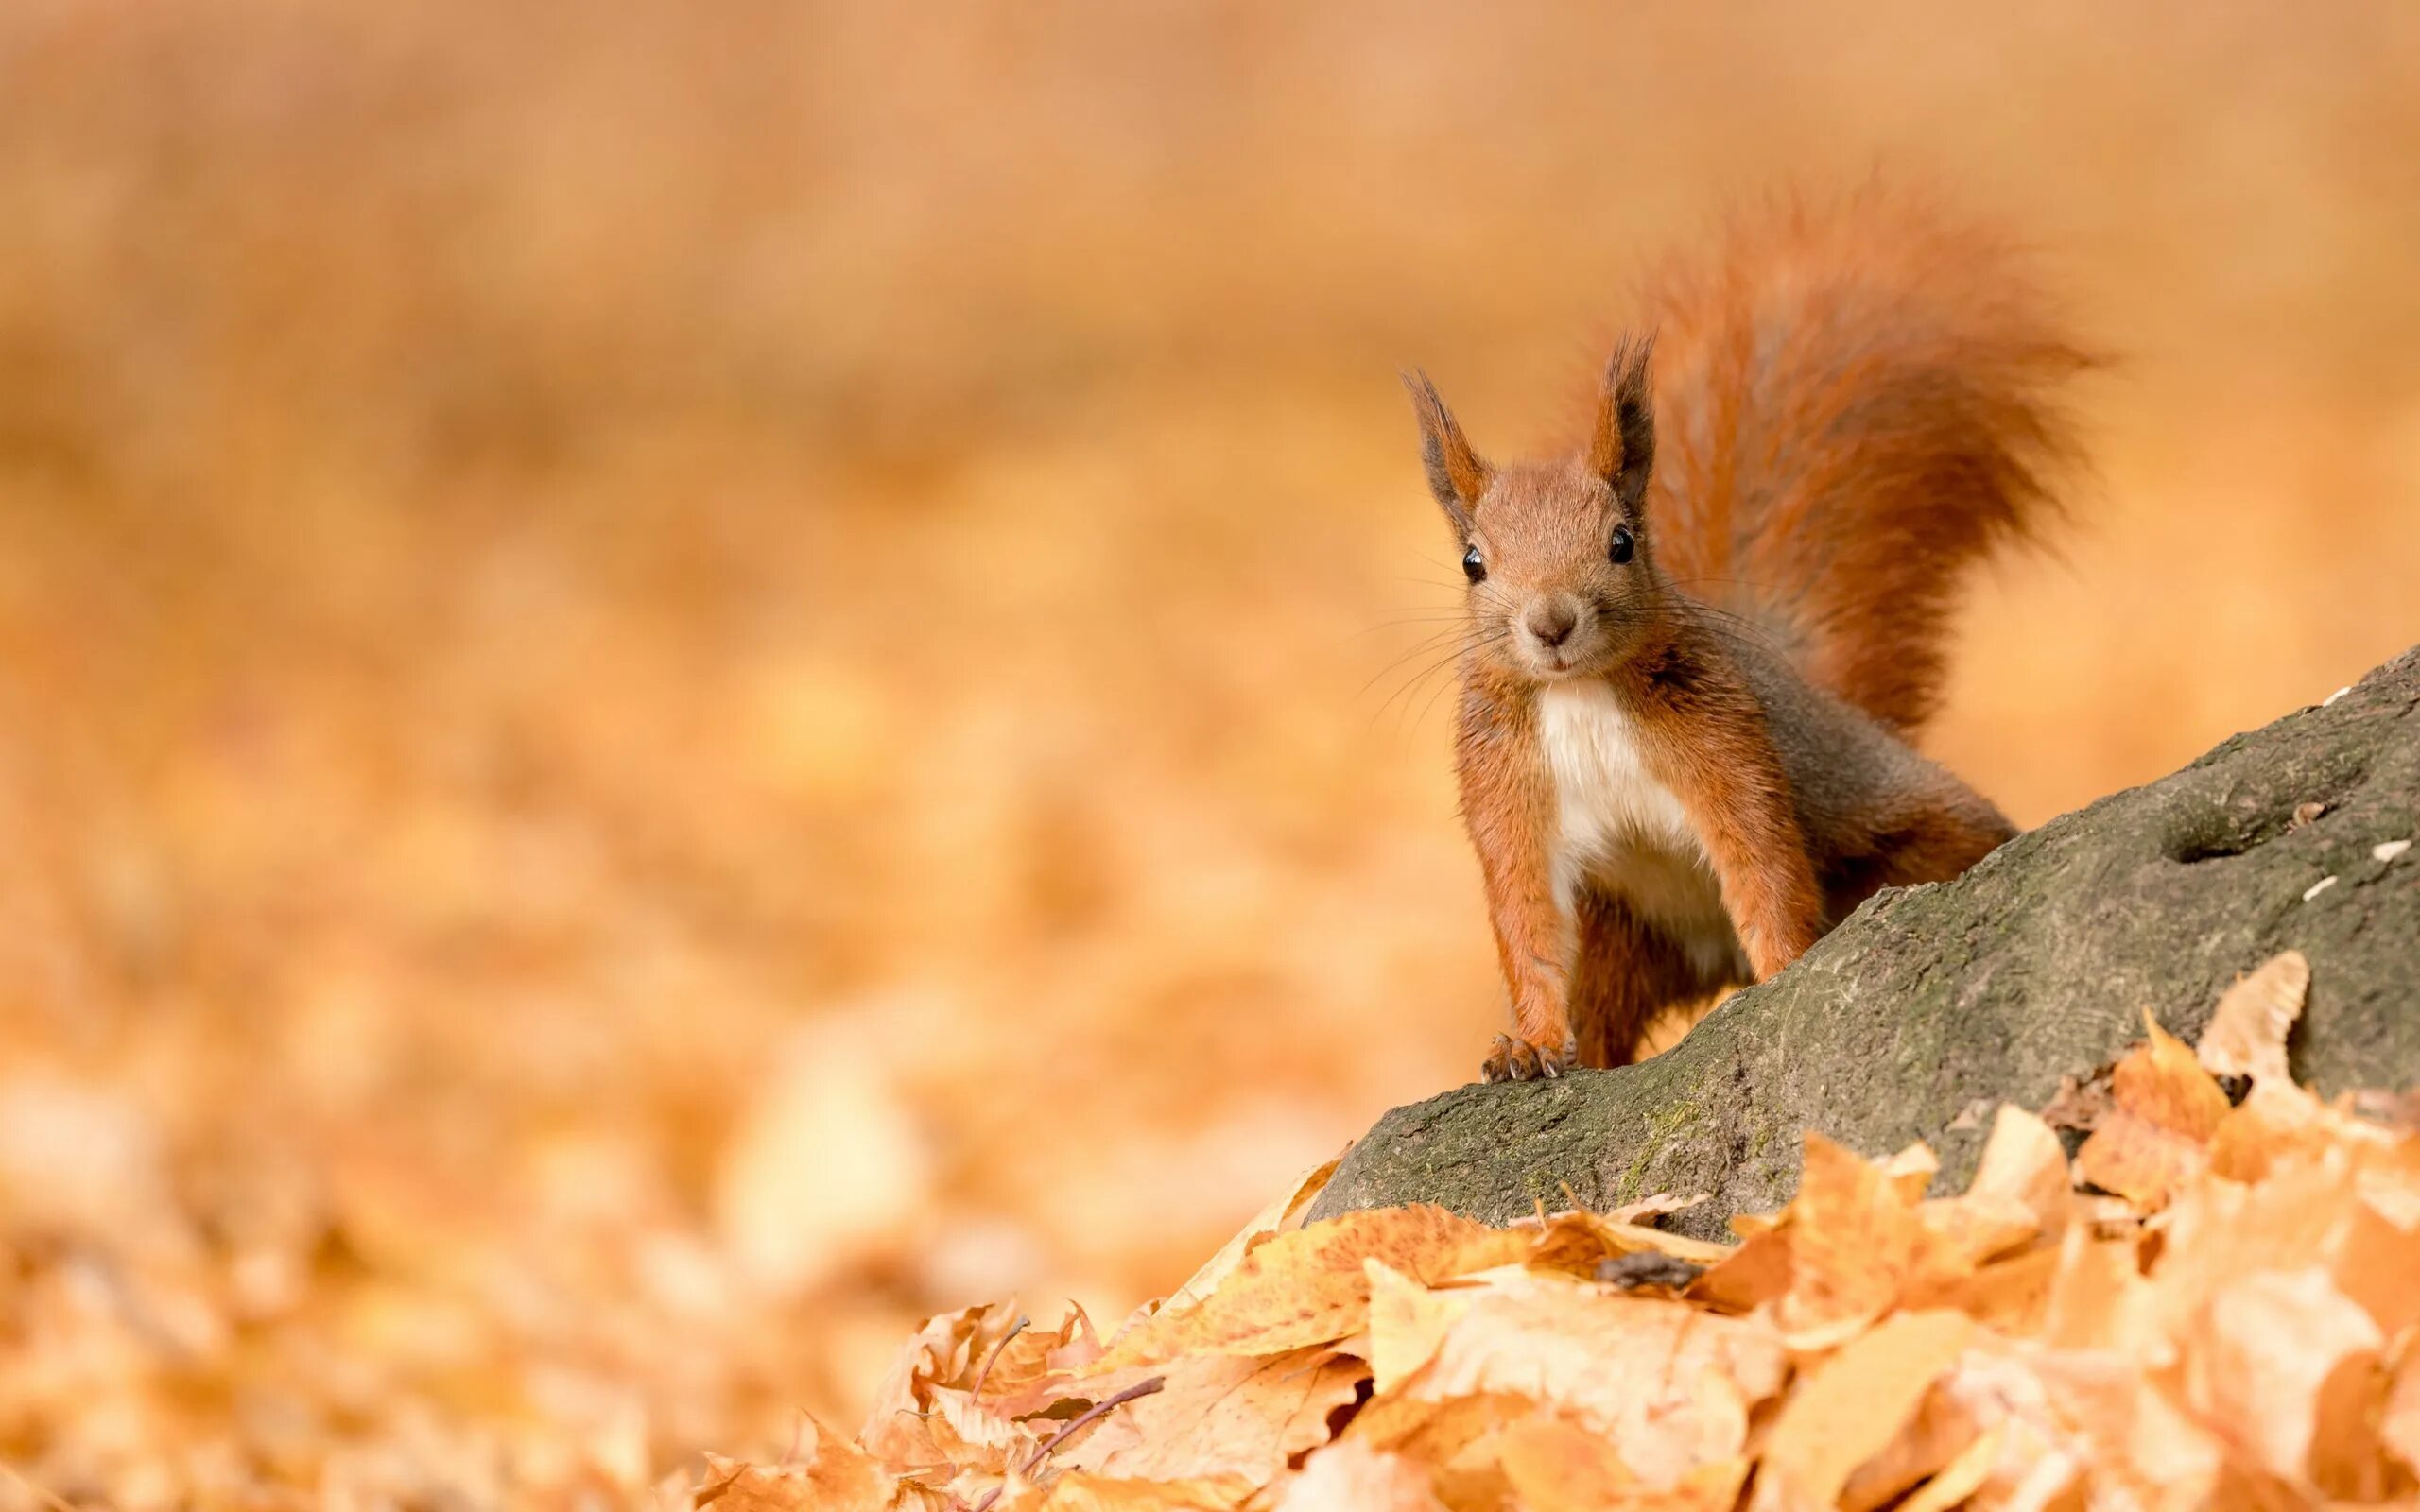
point(1556, 662)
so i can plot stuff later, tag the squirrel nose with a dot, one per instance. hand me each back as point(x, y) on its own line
point(1551, 622)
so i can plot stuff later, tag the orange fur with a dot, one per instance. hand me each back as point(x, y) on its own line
point(1507, 806)
point(1863, 397)
point(1697, 645)
point(1711, 746)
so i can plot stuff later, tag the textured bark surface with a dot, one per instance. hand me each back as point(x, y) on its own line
point(1931, 1002)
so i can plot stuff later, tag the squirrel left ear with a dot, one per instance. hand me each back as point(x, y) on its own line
point(1622, 452)
point(1455, 473)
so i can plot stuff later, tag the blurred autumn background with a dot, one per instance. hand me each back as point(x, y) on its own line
point(682, 681)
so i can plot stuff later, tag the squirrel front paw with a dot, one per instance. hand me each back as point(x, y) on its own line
point(1512, 1059)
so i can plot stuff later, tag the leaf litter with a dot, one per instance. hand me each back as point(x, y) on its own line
point(2215, 1303)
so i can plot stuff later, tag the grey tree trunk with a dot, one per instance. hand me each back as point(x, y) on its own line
point(1932, 1002)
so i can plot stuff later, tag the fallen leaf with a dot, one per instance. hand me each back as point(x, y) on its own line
point(1859, 1243)
point(2010, 1294)
point(1558, 1466)
point(1576, 1242)
point(2374, 1264)
point(2097, 1296)
point(1852, 1235)
point(1407, 1323)
point(1674, 1384)
point(1220, 1416)
point(2078, 1421)
point(2024, 1162)
point(824, 1474)
point(2246, 1035)
point(2302, 1215)
point(2276, 1119)
point(1961, 1477)
point(2080, 1104)
point(1308, 1287)
point(1025, 1372)
point(1436, 1432)
point(2231, 1325)
point(2399, 1422)
point(1933, 1439)
point(1961, 1234)
point(2288, 1368)
point(1854, 1405)
point(1555, 1465)
point(1754, 1273)
point(1282, 1214)
point(1911, 1171)
point(2164, 1108)
point(1662, 1204)
point(906, 1425)
point(1075, 1491)
point(1353, 1477)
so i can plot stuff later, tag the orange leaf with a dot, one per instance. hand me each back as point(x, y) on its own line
point(2376, 1267)
point(1675, 1383)
point(2246, 1035)
point(1435, 1433)
point(1075, 1491)
point(1754, 1273)
point(2098, 1296)
point(1555, 1465)
point(824, 1474)
point(1408, 1324)
point(2078, 1428)
point(1858, 1241)
point(1037, 1366)
point(1911, 1171)
point(2011, 1296)
point(2024, 1161)
point(1353, 1477)
point(1221, 1415)
point(2288, 1368)
point(1575, 1242)
point(1961, 1477)
point(2155, 1137)
point(1282, 1214)
point(1851, 1236)
point(2399, 1423)
point(906, 1426)
point(2278, 1120)
point(1308, 1287)
point(1854, 1404)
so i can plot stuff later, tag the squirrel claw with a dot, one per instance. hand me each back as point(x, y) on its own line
point(1511, 1059)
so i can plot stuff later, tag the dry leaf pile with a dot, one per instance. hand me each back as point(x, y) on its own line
point(2214, 1304)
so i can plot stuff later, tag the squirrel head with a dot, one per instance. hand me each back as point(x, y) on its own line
point(1563, 582)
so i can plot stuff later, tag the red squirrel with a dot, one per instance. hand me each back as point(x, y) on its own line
point(1697, 651)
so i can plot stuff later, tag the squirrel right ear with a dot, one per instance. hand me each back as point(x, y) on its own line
point(1622, 452)
point(1455, 473)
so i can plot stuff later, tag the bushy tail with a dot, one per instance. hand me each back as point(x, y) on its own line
point(1852, 403)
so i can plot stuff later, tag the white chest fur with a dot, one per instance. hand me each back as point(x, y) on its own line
point(1619, 830)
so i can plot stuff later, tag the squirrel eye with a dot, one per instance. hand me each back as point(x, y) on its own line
point(1474, 566)
point(1625, 546)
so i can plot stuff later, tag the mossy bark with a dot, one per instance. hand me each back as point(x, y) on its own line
point(1934, 1002)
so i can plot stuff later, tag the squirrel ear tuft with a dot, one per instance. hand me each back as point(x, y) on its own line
point(1455, 473)
point(1622, 452)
